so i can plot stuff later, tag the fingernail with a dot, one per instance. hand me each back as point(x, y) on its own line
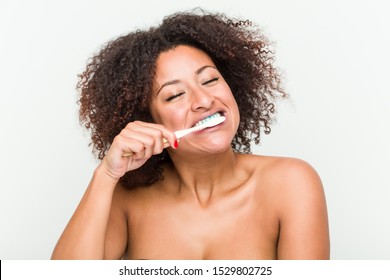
point(176, 144)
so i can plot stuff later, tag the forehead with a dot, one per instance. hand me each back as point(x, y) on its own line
point(180, 61)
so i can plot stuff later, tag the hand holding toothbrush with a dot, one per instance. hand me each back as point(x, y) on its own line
point(139, 140)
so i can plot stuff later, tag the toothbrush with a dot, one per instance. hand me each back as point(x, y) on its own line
point(181, 133)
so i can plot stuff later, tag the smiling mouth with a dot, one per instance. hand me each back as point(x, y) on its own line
point(217, 114)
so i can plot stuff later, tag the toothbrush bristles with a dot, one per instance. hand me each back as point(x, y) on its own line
point(211, 122)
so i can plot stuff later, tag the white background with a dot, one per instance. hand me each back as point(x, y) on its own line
point(335, 60)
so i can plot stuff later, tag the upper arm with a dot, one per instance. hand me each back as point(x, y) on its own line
point(304, 232)
point(116, 233)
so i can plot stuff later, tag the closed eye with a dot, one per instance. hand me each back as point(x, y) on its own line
point(174, 96)
point(210, 81)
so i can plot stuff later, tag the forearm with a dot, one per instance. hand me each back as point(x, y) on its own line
point(84, 236)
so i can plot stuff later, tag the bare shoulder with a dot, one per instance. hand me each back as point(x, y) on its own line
point(291, 172)
point(124, 197)
point(116, 232)
point(282, 172)
point(295, 178)
point(295, 191)
point(135, 197)
point(121, 196)
point(294, 181)
point(124, 200)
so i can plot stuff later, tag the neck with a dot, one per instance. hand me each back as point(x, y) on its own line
point(205, 177)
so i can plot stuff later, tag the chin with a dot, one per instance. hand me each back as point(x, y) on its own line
point(219, 145)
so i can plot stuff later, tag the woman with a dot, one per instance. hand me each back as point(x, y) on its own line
point(203, 196)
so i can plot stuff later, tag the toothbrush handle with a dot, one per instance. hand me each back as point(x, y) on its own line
point(130, 153)
point(179, 134)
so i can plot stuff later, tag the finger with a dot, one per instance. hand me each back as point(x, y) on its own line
point(137, 149)
point(168, 134)
point(144, 146)
point(128, 147)
point(151, 138)
point(139, 153)
point(160, 133)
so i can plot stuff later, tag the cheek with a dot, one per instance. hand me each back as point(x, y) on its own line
point(170, 116)
point(236, 115)
point(230, 101)
point(154, 113)
point(174, 117)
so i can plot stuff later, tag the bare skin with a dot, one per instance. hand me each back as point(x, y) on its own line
point(212, 203)
point(253, 214)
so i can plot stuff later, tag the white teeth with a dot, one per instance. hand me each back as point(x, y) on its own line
point(207, 119)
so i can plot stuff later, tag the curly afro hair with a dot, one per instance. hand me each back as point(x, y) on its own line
point(116, 86)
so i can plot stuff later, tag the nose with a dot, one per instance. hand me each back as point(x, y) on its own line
point(201, 99)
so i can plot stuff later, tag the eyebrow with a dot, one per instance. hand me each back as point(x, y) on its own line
point(201, 69)
point(174, 82)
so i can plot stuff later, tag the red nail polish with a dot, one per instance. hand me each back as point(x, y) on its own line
point(176, 144)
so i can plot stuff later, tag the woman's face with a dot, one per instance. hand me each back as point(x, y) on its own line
point(187, 89)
